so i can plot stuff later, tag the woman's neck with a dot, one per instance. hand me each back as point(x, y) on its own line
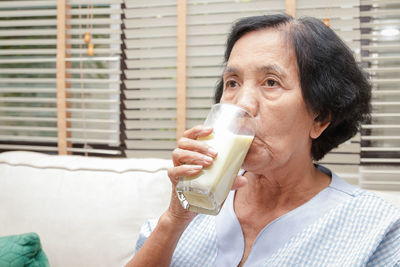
point(282, 190)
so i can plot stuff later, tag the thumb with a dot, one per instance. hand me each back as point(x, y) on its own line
point(239, 182)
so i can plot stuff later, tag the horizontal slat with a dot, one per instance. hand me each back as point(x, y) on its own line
point(378, 2)
point(190, 123)
point(380, 137)
point(146, 134)
point(26, 147)
point(381, 115)
point(150, 144)
point(54, 119)
point(159, 83)
point(150, 42)
point(150, 12)
point(150, 114)
point(93, 141)
point(380, 126)
point(340, 168)
point(28, 13)
point(385, 103)
point(380, 160)
point(150, 22)
point(150, 124)
point(335, 158)
point(202, 82)
point(200, 92)
point(29, 128)
point(93, 71)
point(28, 138)
point(28, 32)
point(334, 13)
point(382, 48)
point(385, 81)
point(53, 22)
point(148, 4)
point(163, 114)
point(41, 41)
point(205, 72)
point(30, 119)
point(95, 2)
point(53, 59)
point(171, 62)
point(153, 73)
point(54, 129)
point(383, 69)
point(27, 71)
point(347, 148)
point(151, 53)
point(381, 59)
point(92, 80)
point(380, 177)
point(54, 100)
point(151, 93)
point(381, 13)
point(47, 3)
point(235, 7)
point(153, 103)
point(94, 11)
point(385, 92)
point(113, 152)
point(151, 32)
point(53, 12)
point(380, 149)
point(151, 63)
point(148, 154)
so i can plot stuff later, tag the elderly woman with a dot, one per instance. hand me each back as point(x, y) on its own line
point(308, 95)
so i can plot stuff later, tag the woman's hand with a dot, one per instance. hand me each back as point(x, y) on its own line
point(189, 158)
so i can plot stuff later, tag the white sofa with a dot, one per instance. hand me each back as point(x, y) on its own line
point(87, 211)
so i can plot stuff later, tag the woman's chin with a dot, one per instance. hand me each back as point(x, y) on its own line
point(252, 162)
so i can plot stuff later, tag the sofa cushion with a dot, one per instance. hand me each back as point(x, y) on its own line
point(87, 210)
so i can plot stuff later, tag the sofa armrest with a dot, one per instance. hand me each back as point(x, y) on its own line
point(86, 210)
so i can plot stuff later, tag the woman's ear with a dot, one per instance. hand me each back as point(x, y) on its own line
point(319, 126)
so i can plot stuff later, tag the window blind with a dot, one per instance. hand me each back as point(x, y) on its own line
point(150, 75)
point(149, 83)
point(380, 138)
point(28, 106)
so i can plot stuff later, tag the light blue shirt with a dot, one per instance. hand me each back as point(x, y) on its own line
point(340, 226)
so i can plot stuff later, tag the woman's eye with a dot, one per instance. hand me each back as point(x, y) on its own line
point(231, 84)
point(271, 83)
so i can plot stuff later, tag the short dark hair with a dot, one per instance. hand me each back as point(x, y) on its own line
point(332, 83)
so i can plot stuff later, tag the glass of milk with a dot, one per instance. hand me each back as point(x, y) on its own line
point(234, 130)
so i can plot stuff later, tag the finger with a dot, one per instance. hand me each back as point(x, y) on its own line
point(240, 181)
point(198, 131)
point(198, 146)
point(181, 156)
point(176, 173)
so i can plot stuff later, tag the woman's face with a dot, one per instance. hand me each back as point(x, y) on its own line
point(262, 77)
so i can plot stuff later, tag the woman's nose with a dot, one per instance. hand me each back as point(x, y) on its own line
point(247, 98)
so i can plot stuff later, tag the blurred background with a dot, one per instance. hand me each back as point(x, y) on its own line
point(116, 78)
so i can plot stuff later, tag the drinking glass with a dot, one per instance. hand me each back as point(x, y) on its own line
point(233, 132)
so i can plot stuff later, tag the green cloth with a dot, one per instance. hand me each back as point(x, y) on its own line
point(22, 250)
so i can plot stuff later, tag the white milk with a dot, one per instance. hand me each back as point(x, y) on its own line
point(209, 189)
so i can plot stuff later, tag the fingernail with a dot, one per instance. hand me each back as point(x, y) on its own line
point(208, 159)
point(196, 167)
point(212, 151)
